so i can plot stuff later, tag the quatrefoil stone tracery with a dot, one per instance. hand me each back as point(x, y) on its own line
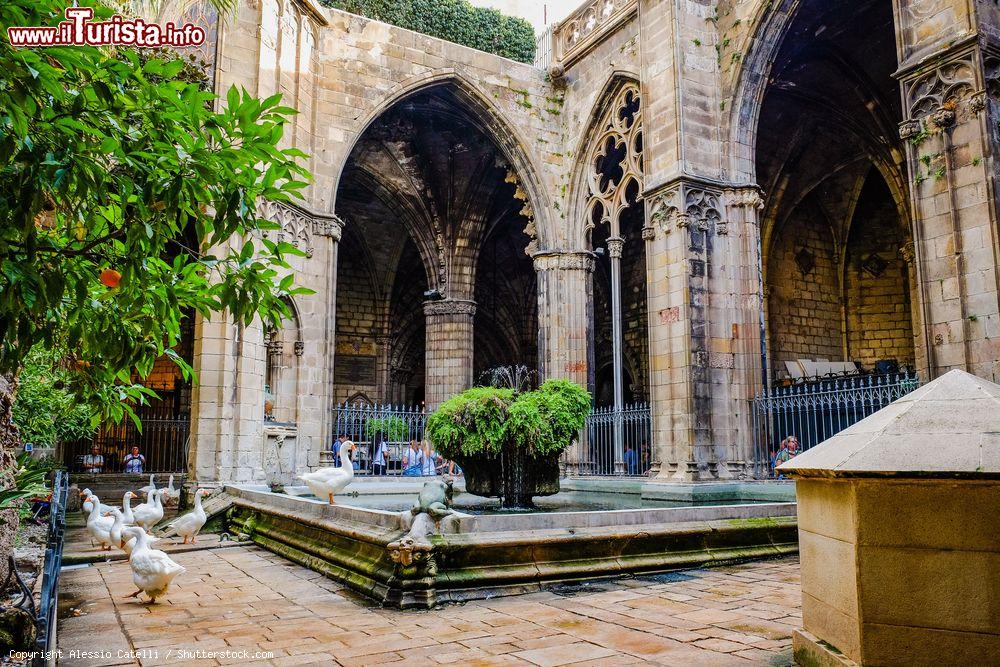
point(615, 162)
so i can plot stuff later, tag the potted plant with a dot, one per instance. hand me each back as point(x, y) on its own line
point(508, 441)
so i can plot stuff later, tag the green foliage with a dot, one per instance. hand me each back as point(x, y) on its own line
point(45, 409)
point(126, 200)
point(471, 422)
point(29, 480)
point(393, 429)
point(454, 20)
point(484, 419)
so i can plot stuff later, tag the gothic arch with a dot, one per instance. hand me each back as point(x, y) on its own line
point(603, 108)
point(489, 119)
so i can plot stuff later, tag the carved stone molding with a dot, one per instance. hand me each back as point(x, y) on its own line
point(300, 348)
point(569, 261)
point(299, 226)
point(687, 205)
point(749, 197)
point(910, 128)
point(648, 233)
point(450, 307)
point(527, 211)
point(664, 209)
point(907, 252)
point(704, 208)
point(585, 27)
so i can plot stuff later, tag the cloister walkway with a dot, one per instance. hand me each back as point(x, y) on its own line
point(264, 610)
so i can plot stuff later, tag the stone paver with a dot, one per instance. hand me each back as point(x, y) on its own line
point(265, 610)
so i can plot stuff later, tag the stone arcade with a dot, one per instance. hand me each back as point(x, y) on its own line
point(679, 196)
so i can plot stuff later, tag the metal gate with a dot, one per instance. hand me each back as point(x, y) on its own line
point(816, 411)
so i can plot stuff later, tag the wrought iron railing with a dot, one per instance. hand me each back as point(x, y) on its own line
point(163, 442)
point(598, 452)
point(369, 424)
point(816, 411)
point(45, 621)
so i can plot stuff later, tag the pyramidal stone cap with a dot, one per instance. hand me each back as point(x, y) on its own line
point(949, 428)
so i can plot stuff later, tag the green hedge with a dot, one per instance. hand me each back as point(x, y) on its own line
point(455, 20)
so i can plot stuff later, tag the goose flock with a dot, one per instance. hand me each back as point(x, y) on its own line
point(130, 529)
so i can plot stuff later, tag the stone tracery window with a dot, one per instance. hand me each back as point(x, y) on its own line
point(615, 163)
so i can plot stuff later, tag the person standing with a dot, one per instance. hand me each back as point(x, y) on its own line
point(134, 462)
point(341, 441)
point(93, 462)
point(380, 459)
point(789, 448)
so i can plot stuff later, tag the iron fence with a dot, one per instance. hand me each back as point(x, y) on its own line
point(369, 424)
point(45, 621)
point(816, 411)
point(163, 442)
point(599, 454)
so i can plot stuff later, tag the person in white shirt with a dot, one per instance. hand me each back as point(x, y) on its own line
point(93, 462)
point(413, 460)
point(380, 459)
point(430, 459)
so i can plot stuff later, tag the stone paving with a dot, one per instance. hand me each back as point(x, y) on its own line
point(245, 599)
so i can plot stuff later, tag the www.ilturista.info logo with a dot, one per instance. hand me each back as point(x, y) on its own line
point(78, 29)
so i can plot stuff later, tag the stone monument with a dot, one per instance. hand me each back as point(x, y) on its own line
point(899, 532)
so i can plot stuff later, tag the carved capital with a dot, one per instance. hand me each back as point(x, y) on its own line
point(749, 197)
point(943, 118)
point(615, 247)
point(648, 233)
point(330, 226)
point(450, 307)
point(910, 128)
point(300, 348)
point(978, 102)
point(907, 252)
point(569, 261)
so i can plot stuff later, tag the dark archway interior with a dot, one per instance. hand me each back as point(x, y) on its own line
point(831, 164)
point(430, 206)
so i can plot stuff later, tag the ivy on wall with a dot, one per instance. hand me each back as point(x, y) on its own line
point(454, 20)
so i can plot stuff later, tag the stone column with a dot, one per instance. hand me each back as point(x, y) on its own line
point(449, 349)
point(949, 71)
point(565, 293)
point(565, 302)
point(615, 246)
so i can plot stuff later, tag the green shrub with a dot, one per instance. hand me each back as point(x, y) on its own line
point(454, 20)
point(45, 409)
point(392, 428)
point(483, 419)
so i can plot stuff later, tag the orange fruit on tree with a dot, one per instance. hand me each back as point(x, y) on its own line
point(110, 278)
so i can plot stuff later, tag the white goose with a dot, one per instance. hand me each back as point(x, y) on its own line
point(327, 482)
point(127, 515)
point(170, 495)
point(149, 514)
point(152, 570)
point(128, 543)
point(115, 532)
point(99, 526)
point(148, 490)
point(88, 504)
point(187, 526)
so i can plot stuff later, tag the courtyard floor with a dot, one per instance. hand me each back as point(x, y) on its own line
point(265, 610)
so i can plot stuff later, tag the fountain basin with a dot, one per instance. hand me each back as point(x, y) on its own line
point(486, 555)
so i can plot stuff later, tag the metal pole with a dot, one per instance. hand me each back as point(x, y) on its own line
point(615, 245)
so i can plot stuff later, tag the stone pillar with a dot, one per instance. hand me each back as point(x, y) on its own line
point(565, 302)
point(615, 247)
point(949, 70)
point(565, 295)
point(449, 349)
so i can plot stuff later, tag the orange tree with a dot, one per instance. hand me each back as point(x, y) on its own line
point(128, 197)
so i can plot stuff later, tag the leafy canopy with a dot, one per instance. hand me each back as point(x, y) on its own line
point(126, 201)
point(482, 420)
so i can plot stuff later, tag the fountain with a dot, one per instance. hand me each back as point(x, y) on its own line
point(508, 437)
point(454, 545)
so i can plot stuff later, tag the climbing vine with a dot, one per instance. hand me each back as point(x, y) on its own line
point(454, 20)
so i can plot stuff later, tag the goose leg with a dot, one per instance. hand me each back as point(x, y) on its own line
point(331, 500)
point(134, 595)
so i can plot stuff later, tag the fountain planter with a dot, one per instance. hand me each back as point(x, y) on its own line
point(477, 557)
point(513, 476)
